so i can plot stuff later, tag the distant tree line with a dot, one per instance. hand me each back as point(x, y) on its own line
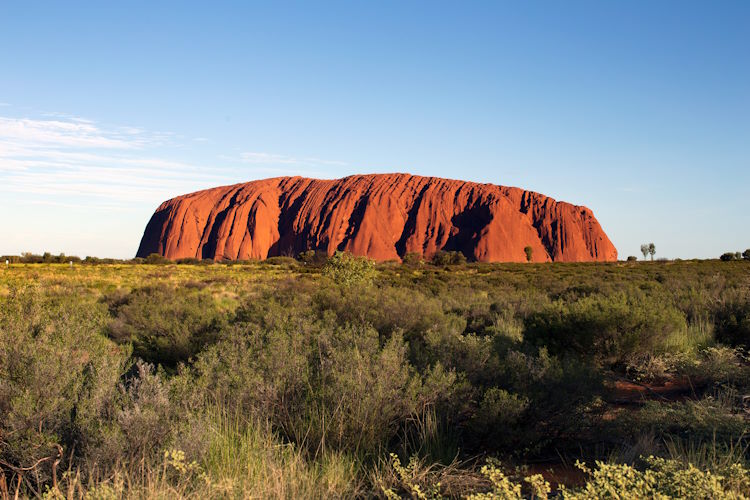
point(727, 256)
point(45, 258)
point(312, 258)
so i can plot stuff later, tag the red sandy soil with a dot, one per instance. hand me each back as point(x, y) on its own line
point(671, 390)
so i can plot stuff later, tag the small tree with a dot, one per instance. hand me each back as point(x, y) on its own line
point(529, 251)
point(156, 258)
point(347, 269)
point(313, 257)
point(652, 250)
point(413, 259)
point(644, 250)
point(632, 258)
point(443, 258)
point(746, 254)
point(727, 256)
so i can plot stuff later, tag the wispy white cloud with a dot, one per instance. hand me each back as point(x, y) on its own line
point(277, 159)
point(59, 158)
point(59, 166)
point(64, 160)
point(61, 133)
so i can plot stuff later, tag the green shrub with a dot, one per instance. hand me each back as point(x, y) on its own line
point(157, 259)
point(713, 417)
point(137, 425)
point(610, 329)
point(319, 384)
point(194, 262)
point(281, 261)
point(719, 366)
point(560, 393)
point(529, 252)
point(661, 479)
point(58, 377)
point(313, 257)
point(413, 259)
point(348, 270)
point(732, 318)
point(498, 417)
point(452, 258)
point(165, 326)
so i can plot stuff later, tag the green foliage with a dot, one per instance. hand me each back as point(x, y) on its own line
point(406, 476)
point(347, 270)
point(270, 381)
point(632, 258)
point(57, 375)
point(194, 262)
point(529, 252)
point(313, 257)
point(609, 329)
point(729, 256)
point(281, 261)
point(703, 419)
point(157, 259)
point(413, 259)
point(46, 258)
point(661, 479)
point(644, 250)
point(499, 416)
point(732, 318)
point(320, 387)
point(165, 326)
point(451, 258)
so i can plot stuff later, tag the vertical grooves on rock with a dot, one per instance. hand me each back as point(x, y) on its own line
point(382, 216)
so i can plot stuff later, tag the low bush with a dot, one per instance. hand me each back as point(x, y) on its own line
point(281, 261)
point(413, 259)
point(313, 257)
point(732, 318)
point(191, 261)
point(319, 384)
point(348, 270)
point(165, 326)
point(156, 259)
point(658, 478)
point(452, 258)
point(608, 329)
point(713, 417)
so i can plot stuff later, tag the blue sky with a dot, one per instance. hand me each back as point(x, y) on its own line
point(638, 110)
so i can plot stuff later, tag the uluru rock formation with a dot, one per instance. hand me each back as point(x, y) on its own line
point(383, 216)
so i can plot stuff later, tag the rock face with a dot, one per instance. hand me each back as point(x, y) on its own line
point(382, 216)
